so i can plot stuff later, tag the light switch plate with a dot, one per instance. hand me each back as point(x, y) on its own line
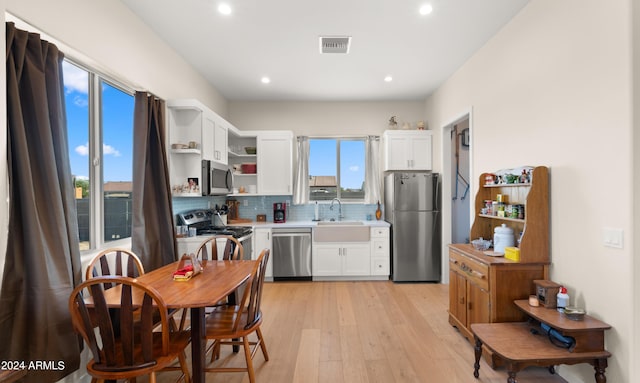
point(613, 237)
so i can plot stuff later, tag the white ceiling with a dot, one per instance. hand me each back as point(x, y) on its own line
point(279, 39)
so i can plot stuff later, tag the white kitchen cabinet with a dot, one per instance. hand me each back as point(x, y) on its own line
point(185, 142)
point(341, 259)
point(237, 155)
point(262, 240)
point(189, 245)
point(190, 122)
point(275, 163)
point(380, 257)
point(220, 138)
point(407, 150)
point(208, 129)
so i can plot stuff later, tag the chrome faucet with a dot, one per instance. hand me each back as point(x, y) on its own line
point(340, 216)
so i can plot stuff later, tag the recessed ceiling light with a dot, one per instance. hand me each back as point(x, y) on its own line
point(224, 8)
point(388, 79)
point(265, 80)
point(426, 9)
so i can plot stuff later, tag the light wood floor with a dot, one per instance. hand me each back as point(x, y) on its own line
point(348, 332)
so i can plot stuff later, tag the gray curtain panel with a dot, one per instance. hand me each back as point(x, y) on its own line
point(43, 256)
point(153, 236)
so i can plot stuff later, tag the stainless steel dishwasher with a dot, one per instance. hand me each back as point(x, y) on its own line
point(291, 253)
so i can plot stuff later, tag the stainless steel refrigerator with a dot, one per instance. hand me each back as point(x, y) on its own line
point(412, 206)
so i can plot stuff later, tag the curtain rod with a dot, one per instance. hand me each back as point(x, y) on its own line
point(340, 136)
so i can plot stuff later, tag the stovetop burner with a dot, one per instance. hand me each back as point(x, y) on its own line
point(201, 220)
point(235, 231)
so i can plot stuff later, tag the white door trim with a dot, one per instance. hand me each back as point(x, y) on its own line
point(445, 160)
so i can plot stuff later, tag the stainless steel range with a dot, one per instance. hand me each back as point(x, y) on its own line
point(203, 221)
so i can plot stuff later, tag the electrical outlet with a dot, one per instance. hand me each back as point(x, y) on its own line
point(288, 202)
point(245, 202)
point(613, 237)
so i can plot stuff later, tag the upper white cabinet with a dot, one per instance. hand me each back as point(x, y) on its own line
point(275, 162)
point(220, 138)
point(186, 138)
point(407, 149)
point(196, 133)
point(272, 153)
point(208, 129)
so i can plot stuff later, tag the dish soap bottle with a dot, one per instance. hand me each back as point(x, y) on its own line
point(562, 299)
point(378, 212)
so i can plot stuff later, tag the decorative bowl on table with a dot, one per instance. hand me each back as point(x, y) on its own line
point(250, 149)
point(481, 244)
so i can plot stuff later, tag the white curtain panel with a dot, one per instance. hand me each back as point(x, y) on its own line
point(372, 170)
point(301, 182)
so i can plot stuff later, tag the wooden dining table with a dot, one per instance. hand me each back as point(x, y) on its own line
point(217, 280)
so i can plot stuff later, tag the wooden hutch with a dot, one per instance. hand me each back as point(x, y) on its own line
point(482, 288)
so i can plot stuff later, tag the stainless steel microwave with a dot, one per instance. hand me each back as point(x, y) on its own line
point(217, 179)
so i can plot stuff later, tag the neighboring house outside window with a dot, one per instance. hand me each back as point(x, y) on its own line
point(100, 135)
point(336, 169)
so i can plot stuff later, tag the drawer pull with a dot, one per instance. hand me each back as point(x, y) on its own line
point(476, 273)
point(471, 271)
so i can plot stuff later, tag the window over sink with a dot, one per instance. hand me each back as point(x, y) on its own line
point(336, 169)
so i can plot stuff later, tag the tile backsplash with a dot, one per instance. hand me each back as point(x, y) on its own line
point(251, 206)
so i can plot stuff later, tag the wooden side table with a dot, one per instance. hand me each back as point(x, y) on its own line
point(523, 344)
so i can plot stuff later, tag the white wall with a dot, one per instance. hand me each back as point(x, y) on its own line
point(554, 88)
point(324, 118)
point(109, 35)
point(635, 337)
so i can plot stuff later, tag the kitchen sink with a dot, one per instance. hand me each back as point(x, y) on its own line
point(341, 231)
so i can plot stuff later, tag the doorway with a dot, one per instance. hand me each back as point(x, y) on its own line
point(457, 184)
point(460, 182)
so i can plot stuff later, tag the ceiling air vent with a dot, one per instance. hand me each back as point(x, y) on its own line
point(335, 44)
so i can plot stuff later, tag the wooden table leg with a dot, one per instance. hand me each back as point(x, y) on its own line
point(600, 365)
point(198, 343)
point(478, 353)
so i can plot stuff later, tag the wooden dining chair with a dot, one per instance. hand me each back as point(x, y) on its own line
point(115, 261)
point(227, 323)
point(120, 262)
point(138, 349)
point(208, 249)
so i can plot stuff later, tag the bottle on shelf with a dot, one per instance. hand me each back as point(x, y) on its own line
point(562, 299)
point(378, 212)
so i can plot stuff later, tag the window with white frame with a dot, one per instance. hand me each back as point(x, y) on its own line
point(336, 169)
point(100, 135)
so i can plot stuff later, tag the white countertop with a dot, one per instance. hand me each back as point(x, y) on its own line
point(288, 224)
point(310, 224)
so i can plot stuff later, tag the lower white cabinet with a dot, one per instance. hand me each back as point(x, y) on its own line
point(189, 245)
point(360, 260)
point(262, 240)
point(380, 259)
point(342, 259)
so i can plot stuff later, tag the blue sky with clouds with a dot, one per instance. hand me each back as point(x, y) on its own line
point(117, 118)
point(322, 161)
